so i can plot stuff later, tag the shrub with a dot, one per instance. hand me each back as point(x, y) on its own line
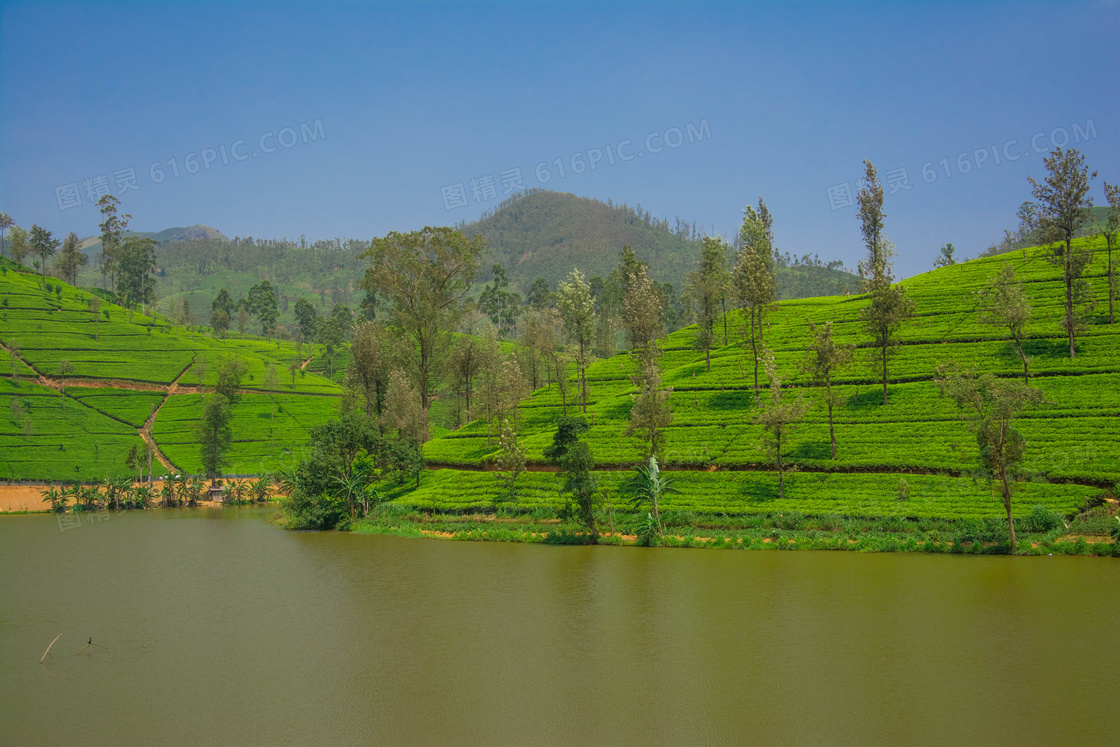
point(903, 490)
point(1043, 519)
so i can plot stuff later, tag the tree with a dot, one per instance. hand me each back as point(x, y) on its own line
point(425, 276)
point(1004, 304)
point(580, 488)
point(500, 305)
point(331, 336)
point(706, 290)
point(539, 296)
point(1062, 206)
point(95, 313)
point(578, 312)
point(990, 406)
point(307, 318)
point(17, 243)
point(112, 232)
point(568, 430)
point(230, 372)
point(510, 462)
point(889, 307)
point(945, 258)
point(214, 434)
point(1109, 230)
point(136, 263)
point(650, 409)
point(71, 259)
point(825, 358)
point(261, 303)
point(642, 309)
point(223, 301)
point(403, 412)
point(184, 317)
point(779, 418)
point(219, 321)
point(6, 222)
point(646, 487)
point(754, 278)
point(367, 375)
point(43, 245)
point(271, 381)
point(464, 363)
point(135, 461)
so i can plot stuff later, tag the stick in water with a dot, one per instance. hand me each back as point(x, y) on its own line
point(49, 648)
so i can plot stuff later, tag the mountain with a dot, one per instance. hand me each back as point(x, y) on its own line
point(92, 244)
point(545, 234)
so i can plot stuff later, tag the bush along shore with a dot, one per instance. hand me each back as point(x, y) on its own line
point(1093, 531)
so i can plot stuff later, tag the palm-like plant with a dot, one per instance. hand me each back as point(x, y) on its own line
point(289, 481)
point(647, 486)
point(167, 493)
point(116, 491)
point(194, 488)
point(238, 490)
point(261, 487)
point(57, 498)
point(140, 496)
point(354, 484)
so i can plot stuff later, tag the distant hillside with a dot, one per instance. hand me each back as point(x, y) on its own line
point(92, 244)
point(546, 234)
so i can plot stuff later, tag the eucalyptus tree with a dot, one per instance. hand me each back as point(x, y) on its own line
point(136, 263)
point(889, 306)
point(1108, 231)
point(367, 374)
point(425, 277)
point(642, 307)
point(71, 259)
point(113, 226)
point(510, 462)
point(6, 222)
point(990, 406)
point(650, 409)
point(779, 418)
point(754, 278)
point(707, 291)
point(43, 245)
point(17, 244)
point(825, 358)
point(1062, 206)
point(214, 434)
point(578, 313)
point(1003, 303)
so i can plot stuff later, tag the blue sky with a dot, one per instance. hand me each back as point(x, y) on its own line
point(356, 119)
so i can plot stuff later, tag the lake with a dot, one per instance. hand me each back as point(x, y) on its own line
point(218, 627)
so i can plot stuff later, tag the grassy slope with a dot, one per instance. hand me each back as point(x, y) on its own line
point(91, 436)
point(1074, 437)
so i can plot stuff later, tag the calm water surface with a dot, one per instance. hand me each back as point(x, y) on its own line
point(220, 628)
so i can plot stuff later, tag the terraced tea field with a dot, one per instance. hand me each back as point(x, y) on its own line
point(113, 369)
point(1073, 439)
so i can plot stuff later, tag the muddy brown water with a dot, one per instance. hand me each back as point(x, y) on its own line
point(219, 628)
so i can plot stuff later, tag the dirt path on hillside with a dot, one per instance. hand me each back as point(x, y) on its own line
point(145, 431)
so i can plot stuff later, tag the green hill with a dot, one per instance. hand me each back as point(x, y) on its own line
point(81, 425)
point(545, 234)
point(1073, 440)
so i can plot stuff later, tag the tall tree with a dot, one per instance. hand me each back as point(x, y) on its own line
point(70, 259)
point(510, 462)
point(465, 362)
point(230, 373)
point(214, 434)
point(1062, 206)
point(1003, 303)
point(650, 409)
point(754, 278)
point(578, 312)
point(6, 222)
point(946, 258)
point(580, 487)
point(112, 227)
point(889, 305)
point(642, 313)
point(425, 276)
point(367, 375)
point(497, 302)
point(44, 245)
point(17, 244)
point(779, 418)
point(1109, 230)
point(331, 336)
point(307, 318)
point(261, 303)
point(539, 295)
point(136, 264)
point(990, 406)
point(403, 412)
point(825, 358)
point(707, 290)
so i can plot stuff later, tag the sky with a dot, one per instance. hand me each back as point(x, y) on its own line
point(346, 119)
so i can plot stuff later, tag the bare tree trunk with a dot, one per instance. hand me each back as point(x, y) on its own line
point(831, 432)
point(1026, 366)
point(781, 477)
point(1069, 300)
point(884, 369)
point(754, 351)
point(1007, 506)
